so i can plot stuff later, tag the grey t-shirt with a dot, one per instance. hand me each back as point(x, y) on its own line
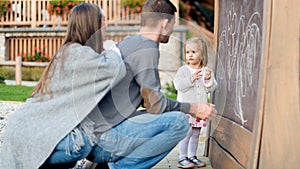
point(141, 85)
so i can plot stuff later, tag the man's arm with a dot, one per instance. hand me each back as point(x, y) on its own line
point(144, 64)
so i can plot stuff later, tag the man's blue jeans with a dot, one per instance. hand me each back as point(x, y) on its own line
point(140, 142)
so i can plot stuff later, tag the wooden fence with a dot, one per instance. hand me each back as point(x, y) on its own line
point(18, 67)
point(34, 13)
point(19, 42)
point(29, 45)
point(169, 62)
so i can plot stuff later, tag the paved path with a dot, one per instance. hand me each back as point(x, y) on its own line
point(170, 161)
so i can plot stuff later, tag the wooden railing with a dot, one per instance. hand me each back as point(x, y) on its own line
point(27, 40)
point(24, 41)
point(28, 26)
point(34, 13)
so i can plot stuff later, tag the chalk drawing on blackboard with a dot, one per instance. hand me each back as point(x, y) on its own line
point(237, 54)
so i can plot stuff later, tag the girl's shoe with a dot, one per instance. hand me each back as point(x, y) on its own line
point(185, 163)
point(197, 162)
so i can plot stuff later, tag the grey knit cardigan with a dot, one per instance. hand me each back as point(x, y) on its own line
point(77, 85)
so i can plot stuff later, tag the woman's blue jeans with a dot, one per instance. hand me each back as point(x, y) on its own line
point(140, 142)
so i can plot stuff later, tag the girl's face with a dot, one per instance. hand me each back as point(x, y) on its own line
point(193, 54)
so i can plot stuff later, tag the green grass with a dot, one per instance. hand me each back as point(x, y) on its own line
point(21, 93)
point(14, 93)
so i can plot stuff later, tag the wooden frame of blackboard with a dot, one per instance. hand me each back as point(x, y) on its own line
point(274, 140)
point(231, 145)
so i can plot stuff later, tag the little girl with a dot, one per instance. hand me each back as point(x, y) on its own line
point(193, 82)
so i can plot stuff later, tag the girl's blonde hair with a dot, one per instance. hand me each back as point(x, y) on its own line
point(202, 46)
point(83, 23)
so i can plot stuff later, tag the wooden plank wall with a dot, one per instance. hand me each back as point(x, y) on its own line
point(273, 141)
point(229, 144)
point(280, 146)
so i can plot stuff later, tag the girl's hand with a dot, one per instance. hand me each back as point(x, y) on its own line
point(207, 76)
point(197, 74)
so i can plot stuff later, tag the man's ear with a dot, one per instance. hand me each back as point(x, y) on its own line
point(164, 23)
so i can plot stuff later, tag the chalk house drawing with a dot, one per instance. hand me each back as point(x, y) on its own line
point(238, 46)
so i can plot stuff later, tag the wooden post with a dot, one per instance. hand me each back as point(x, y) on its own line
point(216, 29)
point(33, 13)
point(18, 70)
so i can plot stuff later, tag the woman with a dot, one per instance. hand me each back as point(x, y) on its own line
point(52, 127)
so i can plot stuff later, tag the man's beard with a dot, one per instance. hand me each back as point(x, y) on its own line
point(164, 39)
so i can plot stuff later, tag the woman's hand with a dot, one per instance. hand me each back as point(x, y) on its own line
point(111, 45)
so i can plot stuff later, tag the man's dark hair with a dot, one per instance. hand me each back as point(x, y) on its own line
point(155, 10)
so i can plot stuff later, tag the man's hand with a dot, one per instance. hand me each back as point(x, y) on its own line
point(203, 111)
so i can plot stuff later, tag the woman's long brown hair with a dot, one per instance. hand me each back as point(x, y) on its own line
point(84, 21)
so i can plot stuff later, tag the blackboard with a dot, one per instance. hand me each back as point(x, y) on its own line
point(238, 60)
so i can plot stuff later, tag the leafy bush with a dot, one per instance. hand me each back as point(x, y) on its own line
point(2, 80)
point(62, 6)
point(7, 72)
point(38, 55)
point(171, 92)
point(184, 10)
point(28, 73)
point(135, 6)
point(171, 88)
point(5, 6)
point(32, 74)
